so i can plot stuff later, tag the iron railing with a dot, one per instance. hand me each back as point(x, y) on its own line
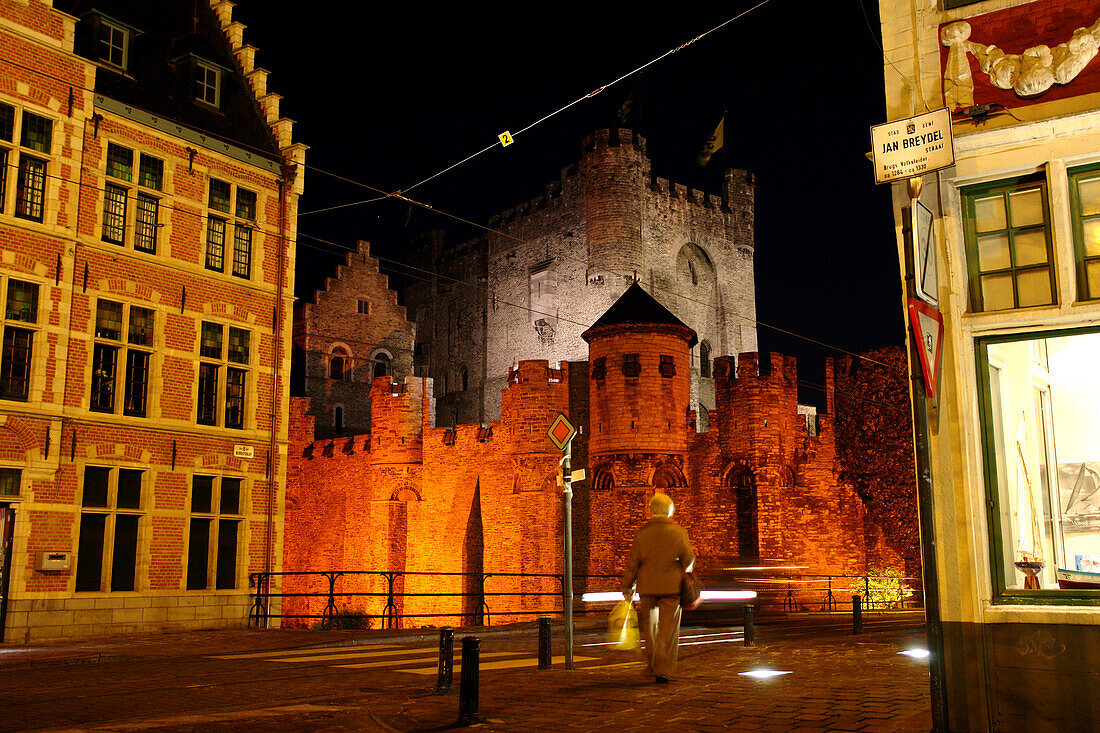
point(778, 593)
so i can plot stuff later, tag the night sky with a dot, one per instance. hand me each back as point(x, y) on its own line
point(388, 98)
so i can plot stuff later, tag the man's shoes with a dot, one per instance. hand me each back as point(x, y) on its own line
point(662, 679)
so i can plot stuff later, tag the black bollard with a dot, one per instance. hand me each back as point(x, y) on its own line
point(468, 686)
point(446, 659)
point(750, 626)
point(857, 615)
point(544, 642)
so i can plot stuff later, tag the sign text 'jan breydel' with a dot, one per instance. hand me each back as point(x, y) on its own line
point(912, 147)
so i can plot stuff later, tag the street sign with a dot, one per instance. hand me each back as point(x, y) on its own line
point(912, 147)
point(244, 451)
point(561, 431)
point(924, 254)
point(928, 331)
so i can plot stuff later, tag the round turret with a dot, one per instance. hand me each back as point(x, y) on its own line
point(639, 385)
point(615, 171)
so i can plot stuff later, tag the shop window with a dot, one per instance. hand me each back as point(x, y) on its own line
point(1041, 432)
point(1084, 186)
point(121, 355)
point(20, 319)
point(223, 375)
point(1008, 245)
point(232, 209)
point(214, 532)
point(110, 519)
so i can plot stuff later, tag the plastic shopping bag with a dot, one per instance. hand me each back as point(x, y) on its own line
point(622, 626)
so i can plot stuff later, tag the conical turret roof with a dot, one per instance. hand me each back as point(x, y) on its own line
point(638, 309)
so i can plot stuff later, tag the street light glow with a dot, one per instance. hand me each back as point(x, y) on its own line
point(763, 674)
point(707, 595)
point(916, 653)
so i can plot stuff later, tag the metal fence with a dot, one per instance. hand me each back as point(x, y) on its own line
point(322, 596)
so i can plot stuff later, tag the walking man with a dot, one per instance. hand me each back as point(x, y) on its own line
point(659, 557)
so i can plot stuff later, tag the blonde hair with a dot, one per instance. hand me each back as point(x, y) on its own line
point(661, 506)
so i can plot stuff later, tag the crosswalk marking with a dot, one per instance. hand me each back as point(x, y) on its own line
point(505, 664)
point(288, 652)
point(432, 659)
point(358, 653)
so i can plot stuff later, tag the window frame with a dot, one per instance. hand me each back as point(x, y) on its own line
point(209, 70)
point(110, 511)
point(214, 519)
point(225, 370)
point(1074, 176)
point(100, 41)
point(231, 228)
point(126, 350)
point(1004, 187)
point(29, 327)
point(1000, 593)
point(134, 226)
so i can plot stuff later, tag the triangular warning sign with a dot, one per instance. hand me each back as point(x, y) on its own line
point(928, 332)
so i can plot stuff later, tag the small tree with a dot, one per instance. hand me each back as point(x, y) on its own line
point(884, 588)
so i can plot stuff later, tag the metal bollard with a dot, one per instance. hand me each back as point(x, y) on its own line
point(750, 626)
point(857, 615)
point(544, 642)
point(468, 686)
point(446, 659)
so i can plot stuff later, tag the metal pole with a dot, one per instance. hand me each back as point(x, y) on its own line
point(937, 671)
point(857, 615)
point(446, 659)
point(468, 686)
point(544, 642)
point(567, 596)
point(750, 627)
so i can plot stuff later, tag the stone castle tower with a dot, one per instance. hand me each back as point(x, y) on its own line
point(552, 266)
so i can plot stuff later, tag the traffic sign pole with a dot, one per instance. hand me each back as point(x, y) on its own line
point(567, 596)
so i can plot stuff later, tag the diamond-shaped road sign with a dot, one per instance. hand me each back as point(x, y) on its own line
point(928, 331)
point(561, 431)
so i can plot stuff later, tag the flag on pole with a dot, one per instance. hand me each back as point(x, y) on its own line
point(714, 143)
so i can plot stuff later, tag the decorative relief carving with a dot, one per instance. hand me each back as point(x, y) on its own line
point(1040, 643)
point(1029, 74)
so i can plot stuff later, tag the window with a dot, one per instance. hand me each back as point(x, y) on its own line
point(240, 217)
point(338, 417)
point(20, 311)
point(110, 518)
point(1042, 462)
point(208, 83)
point(338, 365)
point(364, 307)
point(667, 367)
point(116, 197)
point(223, 375)
point(113, 43)
point(382, 365)
point(1084, 187)
point(214, 532)
point(10, 480)
point(111, 360)
point(1008, 245)
point(599, 367)
point(632, 366)
point(35, 135)
point(704, 359)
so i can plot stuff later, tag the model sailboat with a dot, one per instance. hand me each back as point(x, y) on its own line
point(1029, 540)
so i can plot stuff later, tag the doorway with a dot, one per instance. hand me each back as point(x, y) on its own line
point(7, 526)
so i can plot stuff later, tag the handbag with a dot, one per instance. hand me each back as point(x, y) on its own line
point(691, 591)
point(622, 626)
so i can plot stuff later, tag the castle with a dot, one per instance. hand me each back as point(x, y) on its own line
point(417, 496)
point(548, 268)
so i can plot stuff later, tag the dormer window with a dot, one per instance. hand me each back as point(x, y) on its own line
point(113, 43)
point(208, 83)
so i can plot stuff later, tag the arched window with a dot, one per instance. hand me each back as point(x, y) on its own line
point(668, 477)
point(464, 377)
point(338, 417)
point(339, 366)
point(704, 359)
point(381, 364)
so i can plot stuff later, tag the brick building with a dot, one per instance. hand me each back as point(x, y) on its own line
point(418, 496)
point(147, 217)
point(551, 266)
point(351, 332)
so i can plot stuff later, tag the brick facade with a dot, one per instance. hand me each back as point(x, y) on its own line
point(106, 439)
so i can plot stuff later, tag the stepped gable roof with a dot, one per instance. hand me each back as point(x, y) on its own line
point(168, 34)
point(637, 309)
